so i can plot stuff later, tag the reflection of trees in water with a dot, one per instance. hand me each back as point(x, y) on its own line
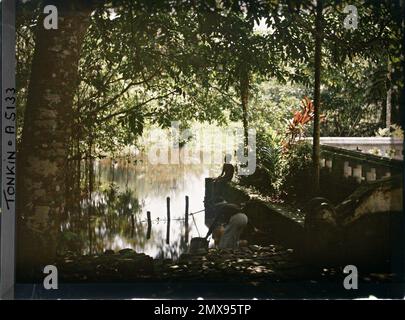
point(109, 217)
point(116, 214)
point(112, 213)
point(148, 179)
point(175, 248)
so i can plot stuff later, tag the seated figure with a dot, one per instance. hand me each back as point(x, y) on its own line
point(227, 171)
point(225, 177)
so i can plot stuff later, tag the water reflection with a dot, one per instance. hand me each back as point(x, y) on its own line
point(115, 215)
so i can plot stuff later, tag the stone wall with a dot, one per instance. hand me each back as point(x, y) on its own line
point(366, 229)
point(273, 224)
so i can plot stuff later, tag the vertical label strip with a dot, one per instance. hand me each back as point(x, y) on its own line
point(8, 146)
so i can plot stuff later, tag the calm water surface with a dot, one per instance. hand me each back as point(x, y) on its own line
point(126, 190)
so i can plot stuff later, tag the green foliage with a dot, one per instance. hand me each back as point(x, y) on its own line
point(353, 97)
point(296, 168)
point(354, 63)
point(272, 104)
point(148, 63)
point(267, 177)
point(280, 173)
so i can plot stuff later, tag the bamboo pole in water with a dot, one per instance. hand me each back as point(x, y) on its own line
point(168, 221)
point(113, 170)
point(127, 172)
point(99, 174)
point(149, 225)
point(132, 225)
point(186, 221)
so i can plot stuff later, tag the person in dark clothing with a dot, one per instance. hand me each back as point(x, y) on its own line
point(228, 171)
point(226, 176)
point(229, 222)
point(228, 225)
point(223, 213)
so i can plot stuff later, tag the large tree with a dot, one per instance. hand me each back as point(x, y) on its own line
point(148, 51)
point(45, 137)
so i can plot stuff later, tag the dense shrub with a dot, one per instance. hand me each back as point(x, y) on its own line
point(296, 172)
point(280, 172)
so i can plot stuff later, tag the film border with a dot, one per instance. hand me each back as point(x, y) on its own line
point(8, 147)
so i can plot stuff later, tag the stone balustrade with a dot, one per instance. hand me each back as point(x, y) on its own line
point(381, 146)
point(342, 171)
point(357, 166)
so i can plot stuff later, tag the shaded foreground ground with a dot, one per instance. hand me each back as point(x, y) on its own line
point(252, 272)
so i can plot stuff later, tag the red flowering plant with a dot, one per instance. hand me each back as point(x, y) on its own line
point(296, 125)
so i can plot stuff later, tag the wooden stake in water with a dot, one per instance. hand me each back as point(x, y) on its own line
point(132, 225)
point(149, 225)
point(186, 221)
point(132, 222)
point(168, 221)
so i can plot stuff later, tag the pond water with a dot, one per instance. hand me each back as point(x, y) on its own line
point(125, 189)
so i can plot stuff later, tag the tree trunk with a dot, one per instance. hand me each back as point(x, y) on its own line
point(382, 105)
point(244, 94)
point(317, 96)
point(388, 110)
point(46, 134)
point(402, 95)
point(90, 165)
